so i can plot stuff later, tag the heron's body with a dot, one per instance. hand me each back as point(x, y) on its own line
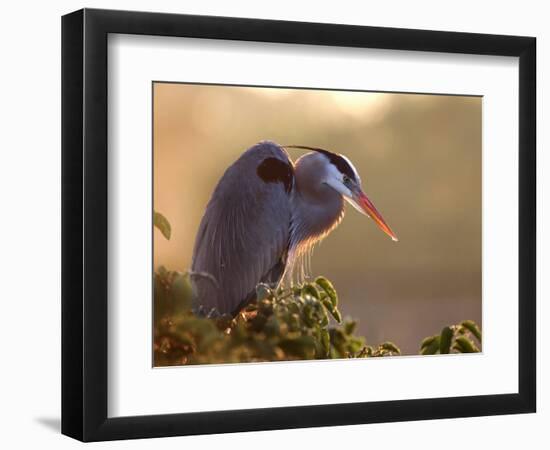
point(263, 218)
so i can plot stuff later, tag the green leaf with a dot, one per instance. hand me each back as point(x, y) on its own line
point(431, 347)
point(427, 341)
point(334, 312)
point(327, 286)
point(445, 340)
point(327, 303)
point(464, 345)
point(349, 326)
point(391, 347)
point(325, 340)
point(472, 327)
point(162, 224)
point(310, 289)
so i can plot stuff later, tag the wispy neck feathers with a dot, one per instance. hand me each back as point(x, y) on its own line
point(317, 210)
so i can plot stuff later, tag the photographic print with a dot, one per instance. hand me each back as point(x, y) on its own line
point(297, 224)
point(338, 218)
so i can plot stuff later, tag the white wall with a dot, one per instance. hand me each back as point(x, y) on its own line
point(30, 236)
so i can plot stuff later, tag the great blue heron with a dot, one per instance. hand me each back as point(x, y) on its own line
point(264, 218)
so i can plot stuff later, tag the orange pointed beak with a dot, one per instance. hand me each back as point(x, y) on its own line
point(365, 206)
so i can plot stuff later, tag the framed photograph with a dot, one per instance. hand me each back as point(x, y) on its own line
point(272, 224)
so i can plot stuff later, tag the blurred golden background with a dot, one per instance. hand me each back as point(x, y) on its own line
point(419, 157)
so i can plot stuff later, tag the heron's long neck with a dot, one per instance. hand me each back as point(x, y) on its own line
point(316, 210)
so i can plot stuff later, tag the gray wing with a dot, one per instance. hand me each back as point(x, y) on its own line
point(243, 236)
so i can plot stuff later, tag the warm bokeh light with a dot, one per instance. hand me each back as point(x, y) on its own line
point(420, 160)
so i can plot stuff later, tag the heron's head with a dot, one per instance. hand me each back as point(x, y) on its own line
point(340, 175)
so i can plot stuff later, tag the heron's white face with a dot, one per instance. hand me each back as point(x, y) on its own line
point(337, 181)
point(348, 188)
point(351, 190)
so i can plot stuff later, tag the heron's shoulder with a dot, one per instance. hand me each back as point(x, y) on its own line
point(266, 163)
point(268, 149)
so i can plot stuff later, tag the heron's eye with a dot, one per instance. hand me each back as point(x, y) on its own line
point(346, 179)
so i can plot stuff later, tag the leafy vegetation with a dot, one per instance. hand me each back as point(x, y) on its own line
point(462, 338)
point(297, 323)
point(302, 322)
point(162, 224)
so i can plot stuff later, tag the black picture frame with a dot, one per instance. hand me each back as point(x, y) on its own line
point(84, 224)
